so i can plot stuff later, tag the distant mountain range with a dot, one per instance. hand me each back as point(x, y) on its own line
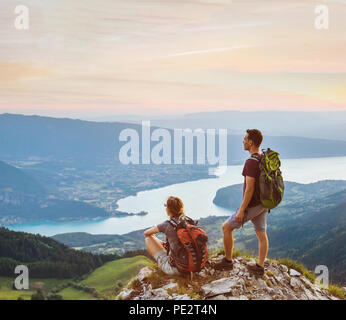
point(273, 123)
point(35, 137)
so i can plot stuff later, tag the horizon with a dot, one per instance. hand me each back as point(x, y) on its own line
point(181, 57)
point(139, 117)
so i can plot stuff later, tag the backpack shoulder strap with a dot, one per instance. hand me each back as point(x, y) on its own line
point(255, 157)
point(190, 221)
point(173, 222)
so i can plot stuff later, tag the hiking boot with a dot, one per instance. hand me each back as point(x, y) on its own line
point(256, 269)
point(224, 264)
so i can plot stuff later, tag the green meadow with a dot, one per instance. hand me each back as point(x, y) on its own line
point(103, 283)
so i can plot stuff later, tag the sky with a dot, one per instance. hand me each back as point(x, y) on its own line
point(86, 58)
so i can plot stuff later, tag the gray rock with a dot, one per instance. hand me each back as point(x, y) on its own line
point(291, 296)
point(279, 278)
point(306, 282)
point(156, 294)
point(261, 284)
point(124, 294)
point(294, 273)
point(181, 297)
point(171, 285)
point(309, 294)
point(295, 284)
point(220, 286)
point(143, 273)
point(273, 270)
point(283, 268)
point(203, 273)
point(287, 277)
point(219, 297)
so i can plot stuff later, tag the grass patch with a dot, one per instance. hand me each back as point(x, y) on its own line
point(236, 253)
point(106, 278)
point(336, 291)
point(156, 279)
point(75, 294)
point(299, 267)
point(47, 286)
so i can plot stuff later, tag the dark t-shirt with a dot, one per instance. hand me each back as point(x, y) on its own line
point(251, 169)
point(171, 234)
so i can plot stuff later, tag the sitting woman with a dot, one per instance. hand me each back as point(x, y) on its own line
point(156, 247)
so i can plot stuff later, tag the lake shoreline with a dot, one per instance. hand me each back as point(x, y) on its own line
point(197, 195)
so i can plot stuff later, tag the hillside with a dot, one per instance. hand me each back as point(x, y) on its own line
point(103, 283)
point(14, 179)
point(230, 197)
point(283, 280)
point(23, 199)
point(102, 243)
point(318, 238)
point(44, 256)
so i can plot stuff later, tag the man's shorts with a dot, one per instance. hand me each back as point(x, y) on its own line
point(257, 215)
point(163, 262)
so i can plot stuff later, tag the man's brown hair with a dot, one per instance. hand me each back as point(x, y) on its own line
point(255, 136)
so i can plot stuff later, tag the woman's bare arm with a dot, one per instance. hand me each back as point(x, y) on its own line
point(151, 231)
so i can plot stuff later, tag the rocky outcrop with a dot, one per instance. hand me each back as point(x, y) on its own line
point(278, 283)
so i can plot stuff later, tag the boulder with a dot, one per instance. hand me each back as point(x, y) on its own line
point(295, 284)
point(294, 273)
point(124, 294)
point(221, 286)
point(171, 285)
point(143, 273)
point(283, 268)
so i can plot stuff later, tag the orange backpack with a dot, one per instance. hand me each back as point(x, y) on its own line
point(192, 254)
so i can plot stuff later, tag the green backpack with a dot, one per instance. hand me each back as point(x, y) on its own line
point(271, 183)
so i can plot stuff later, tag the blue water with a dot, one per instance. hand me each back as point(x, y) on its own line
point(197, 196)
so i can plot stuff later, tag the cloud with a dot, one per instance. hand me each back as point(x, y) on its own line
point(14, 71)
point(209, 50)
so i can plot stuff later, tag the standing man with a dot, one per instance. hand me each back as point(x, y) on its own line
point(251, 207)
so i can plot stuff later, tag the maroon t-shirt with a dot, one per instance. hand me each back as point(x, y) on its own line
point(251, 169)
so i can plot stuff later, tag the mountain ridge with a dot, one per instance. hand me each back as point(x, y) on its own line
point(280, 282)
point(65, 139)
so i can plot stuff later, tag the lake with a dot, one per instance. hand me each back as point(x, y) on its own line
point(197, 196)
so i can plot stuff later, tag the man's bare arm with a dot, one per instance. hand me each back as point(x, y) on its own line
point(249, 191)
